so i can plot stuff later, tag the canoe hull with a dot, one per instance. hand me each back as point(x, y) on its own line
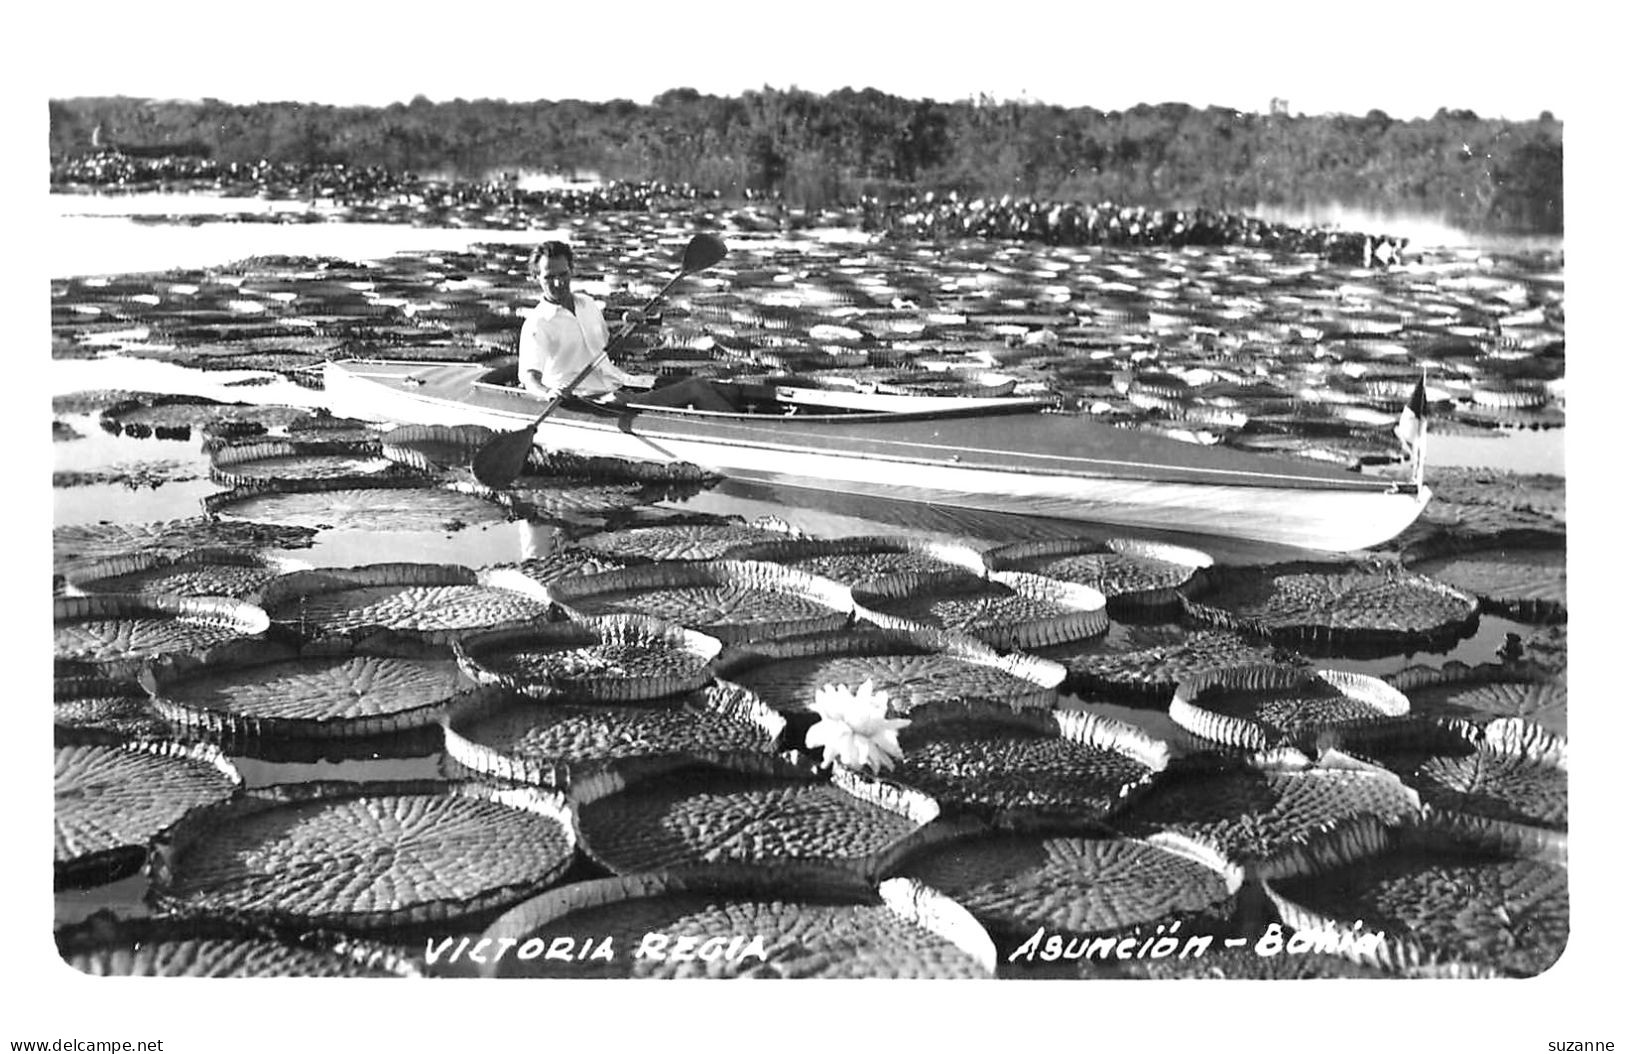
point(1022, 463)
point(1330, 521)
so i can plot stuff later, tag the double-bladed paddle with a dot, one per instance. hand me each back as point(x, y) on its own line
point(500, 460)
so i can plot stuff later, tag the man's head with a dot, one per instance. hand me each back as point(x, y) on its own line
point(553, 264)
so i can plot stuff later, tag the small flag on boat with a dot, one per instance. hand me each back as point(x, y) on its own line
point(1413, 421)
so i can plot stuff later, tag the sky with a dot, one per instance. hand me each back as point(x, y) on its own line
point(1406, 58)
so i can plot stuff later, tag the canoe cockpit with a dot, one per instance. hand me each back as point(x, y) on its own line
point(787, 396)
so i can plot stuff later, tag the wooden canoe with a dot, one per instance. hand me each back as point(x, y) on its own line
point(1005, 454)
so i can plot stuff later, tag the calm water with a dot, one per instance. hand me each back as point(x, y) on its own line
point(91, 236)
point(94, 235)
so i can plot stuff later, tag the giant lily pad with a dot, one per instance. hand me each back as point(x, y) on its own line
point(1149, 660)
point(114, 796)
point(107, 946)
point(1277, 820)
point(235, 573)
point(681, 541)
point(562, 562)
point(1048, 765)
point(550, 745)
point(1506, 772)
point(854, 561)
point(327, 691)
point(431, 448)
point(566, 499)
point(94, 541)
point(1536, 493)
point(1435, 906)
point(435, 603)
point(1338, 611)
point(1127, 572)
point(270, 460)
point(361, 856)
point(706, 816)
point(730, 600)
point(563, 463)
point(1007, 609)
point(1484, 693)
point(616, 658)
point(1256, 707)
point(724, 926)
point(112, 634)
point(1529, 584)
point(916, 669)
point(1048, 899)
point(106, 705)
point(1486, 504)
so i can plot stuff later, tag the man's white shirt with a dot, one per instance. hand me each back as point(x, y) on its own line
point(559, 345)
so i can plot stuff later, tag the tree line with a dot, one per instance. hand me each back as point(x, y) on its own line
point(817, 149)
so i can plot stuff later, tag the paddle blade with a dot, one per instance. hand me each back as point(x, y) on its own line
point(703, 251)
point(500, 461)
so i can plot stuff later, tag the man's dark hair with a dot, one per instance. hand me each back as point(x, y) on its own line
point(546, 251)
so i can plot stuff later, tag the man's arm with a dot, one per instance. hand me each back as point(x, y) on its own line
point(607, 369)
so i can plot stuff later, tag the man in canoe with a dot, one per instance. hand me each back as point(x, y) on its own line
point(566, 332)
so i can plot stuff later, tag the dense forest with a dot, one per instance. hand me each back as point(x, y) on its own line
point(817, 149)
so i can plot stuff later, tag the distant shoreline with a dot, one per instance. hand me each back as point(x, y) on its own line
point(815, 150)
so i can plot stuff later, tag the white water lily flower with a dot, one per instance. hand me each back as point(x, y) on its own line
point(853, 727)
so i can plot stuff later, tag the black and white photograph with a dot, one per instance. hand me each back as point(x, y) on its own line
point(835, 493)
